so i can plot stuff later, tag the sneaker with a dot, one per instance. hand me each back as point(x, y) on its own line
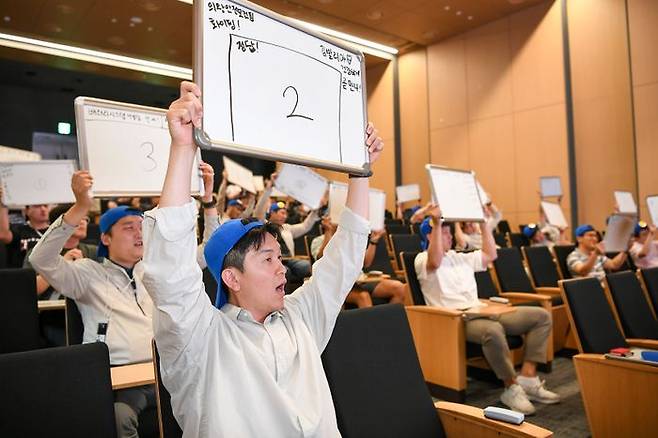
point(515, 398)
point(535, 391)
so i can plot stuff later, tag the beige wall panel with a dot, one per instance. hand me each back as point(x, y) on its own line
point(488, 76)
point(602, 105)
point(380, 112)
point(493, 28)
point(414, 119)
point(643, 29)
point(446, 70)
point(491, 151)
point(449, 147)
point(646, 125)
point(537, 63)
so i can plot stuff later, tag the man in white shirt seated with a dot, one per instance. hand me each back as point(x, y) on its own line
point(447, 279)
point(588, 259)
point(645, 248)
point(251, 367)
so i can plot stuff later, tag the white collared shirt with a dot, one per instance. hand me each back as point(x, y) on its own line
point(453, 284)
point(103, 293)
point(229, 375)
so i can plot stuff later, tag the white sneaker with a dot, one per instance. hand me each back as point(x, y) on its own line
point(535, 391)
point(515, 398)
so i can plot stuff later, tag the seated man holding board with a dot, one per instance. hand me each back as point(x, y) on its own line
point(251, 367)
point(447, 279)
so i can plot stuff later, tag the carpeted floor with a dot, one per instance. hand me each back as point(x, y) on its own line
point(566, 419)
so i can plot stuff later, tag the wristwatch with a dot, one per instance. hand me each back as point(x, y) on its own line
point(210, 204)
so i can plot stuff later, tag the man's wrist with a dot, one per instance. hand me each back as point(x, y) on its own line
point(209, 203)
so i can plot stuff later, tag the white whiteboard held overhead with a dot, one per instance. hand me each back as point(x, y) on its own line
point(125, 147)
point(376, 200)
point(408, 192)
point(554, 214)
point(240, 175)
point(8, 154)
point(618, 233)
point(302, 184)
point(275, 90)
point(456, 192)
point(550, 186)
point(259, 183)
point(625, 202)
point(37, 182)
point(652, 205)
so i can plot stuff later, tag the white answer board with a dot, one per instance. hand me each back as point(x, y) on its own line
point(550, 186)
point(259, 183)
point(276, 90)
point(484, 197)
point(302, 184)
point(125, 147)
point(554, 214)
point(618, 233)
point(408, 192)
point(37, 182)
point(652, 205)
point(625, 202)
point(240, 175)
point(376, 202)
point(15, 154)
point(456, 193)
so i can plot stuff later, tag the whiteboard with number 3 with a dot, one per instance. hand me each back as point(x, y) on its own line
point(125, 147)
point(276, 90)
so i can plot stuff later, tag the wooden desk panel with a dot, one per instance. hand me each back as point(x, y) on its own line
point(130, 376)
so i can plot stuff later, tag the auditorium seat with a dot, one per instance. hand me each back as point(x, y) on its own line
point(631, 306)
point(19, 315)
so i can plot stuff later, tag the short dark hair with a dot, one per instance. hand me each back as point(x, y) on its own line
point(252, 240)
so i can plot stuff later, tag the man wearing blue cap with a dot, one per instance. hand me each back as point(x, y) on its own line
point(447, 279)
point(645, 248)
point(252, 367)
point(535, 236)
point(588, 259)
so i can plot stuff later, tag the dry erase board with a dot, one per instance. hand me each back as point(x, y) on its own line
point(554, 214)
point(550, 186)
point(14, 154)
point(302, 184)
point(652, 205)
point(37, 182)
point(625, 202)
point(456, 192)
point(275, 90)
point(618, 233)
point(376, 203)
point(125, 147)
point(408, 192)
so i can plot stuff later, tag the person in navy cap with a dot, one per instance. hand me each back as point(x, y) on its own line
point(588, 259)
point(250, 364)
point(645, 246)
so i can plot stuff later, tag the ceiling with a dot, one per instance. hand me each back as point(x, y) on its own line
point(161, 30)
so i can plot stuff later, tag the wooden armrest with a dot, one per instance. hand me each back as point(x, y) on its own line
point(651, 344)
point(434, 310)
point(548, 290)
point(462, 420)
point(399, 273)
point(525, 296)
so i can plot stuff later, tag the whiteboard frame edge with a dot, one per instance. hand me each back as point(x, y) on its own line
point(205, 142)
point(78, 104)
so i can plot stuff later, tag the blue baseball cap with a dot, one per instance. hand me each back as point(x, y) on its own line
point(530, 230)
point(582, 229)
point(276, 206)
point(220, 243)
point(233, 202)
point(639, 227)
point(425, 229)
point(111, 217)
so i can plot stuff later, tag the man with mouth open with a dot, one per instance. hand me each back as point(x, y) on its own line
point(250, 366)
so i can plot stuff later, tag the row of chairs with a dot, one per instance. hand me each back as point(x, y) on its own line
point(70, 388)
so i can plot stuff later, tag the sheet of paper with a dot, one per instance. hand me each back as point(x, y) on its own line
point(550, 186)
point(259, 183)
point(618, 233)
point(240, 175)
point(15, 154)
point(408, 192)
point(554, 214)
point(625, 202)
point(652, 204)
point(302, 184)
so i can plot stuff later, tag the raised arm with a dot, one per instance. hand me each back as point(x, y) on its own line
point(210, 217)
point(435, 250)
point(221, 192)
point(489, 251)
point(6, 236)
point(263, 202)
